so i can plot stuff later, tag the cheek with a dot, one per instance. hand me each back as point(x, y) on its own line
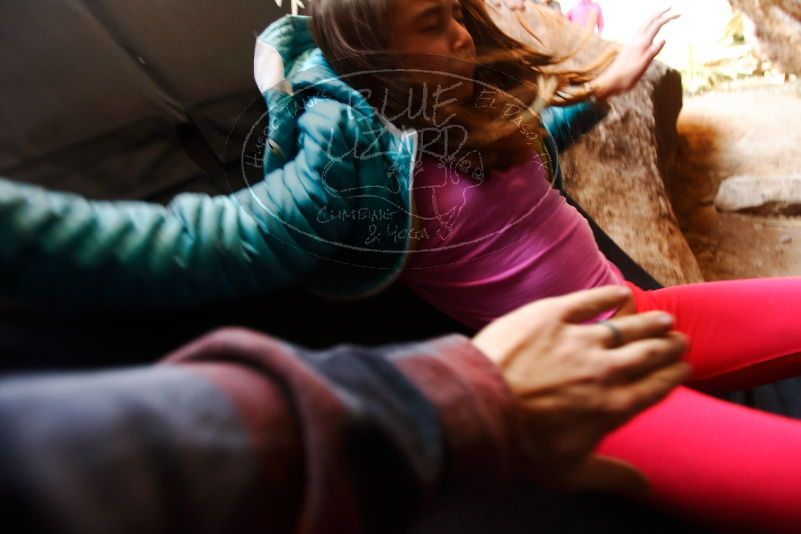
point(434, 55)
point(425, 51)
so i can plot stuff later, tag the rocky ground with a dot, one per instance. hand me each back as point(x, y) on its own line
point(749, 130)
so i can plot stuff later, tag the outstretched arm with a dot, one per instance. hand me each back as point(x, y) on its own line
point(242, 432)
point(59, 249)
point(633, 59)
point(566, 124)
point(239, 431)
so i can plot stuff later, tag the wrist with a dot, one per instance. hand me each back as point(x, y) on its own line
point(478, 409)
point(600, 89)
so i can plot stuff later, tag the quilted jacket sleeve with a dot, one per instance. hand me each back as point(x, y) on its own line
point(62, 250)
point(567, 124)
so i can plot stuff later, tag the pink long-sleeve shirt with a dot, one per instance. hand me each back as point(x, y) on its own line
point(487, 245)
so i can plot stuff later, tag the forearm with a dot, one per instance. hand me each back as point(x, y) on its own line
point(65, 251)
point(566, 125)
point(139, 450)
point(437, 418)
point(238, 431)
point(601, 90)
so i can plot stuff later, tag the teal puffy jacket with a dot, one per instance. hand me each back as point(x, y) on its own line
point(331, 210)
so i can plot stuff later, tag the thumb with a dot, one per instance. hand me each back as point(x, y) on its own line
point(605, 474)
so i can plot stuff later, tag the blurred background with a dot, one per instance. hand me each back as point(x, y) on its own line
point(733, 178)
point(713, 45)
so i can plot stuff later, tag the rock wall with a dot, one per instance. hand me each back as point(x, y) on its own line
point(617, 172)
point(778, 28)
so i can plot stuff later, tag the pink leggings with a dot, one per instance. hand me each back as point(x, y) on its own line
point(708, 458)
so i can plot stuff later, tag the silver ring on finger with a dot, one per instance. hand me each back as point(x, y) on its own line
point(617, 336)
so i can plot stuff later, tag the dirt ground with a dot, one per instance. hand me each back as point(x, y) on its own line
point(751, 130)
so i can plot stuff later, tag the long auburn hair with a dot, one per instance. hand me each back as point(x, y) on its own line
point(349, 34)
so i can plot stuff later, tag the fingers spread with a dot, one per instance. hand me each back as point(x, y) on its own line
point(650, 21)
point(655, 48)
point(657, 25)
point(654, 19)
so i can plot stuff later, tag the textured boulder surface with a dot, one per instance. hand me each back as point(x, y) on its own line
point(778, 28)
point(776, 195)
point(726, 134)
point(618, 171)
